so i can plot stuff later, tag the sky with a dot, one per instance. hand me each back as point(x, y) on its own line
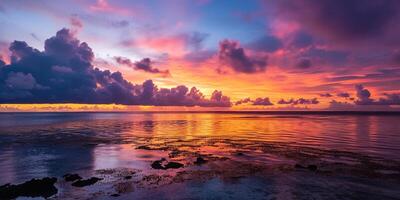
point(199, 55)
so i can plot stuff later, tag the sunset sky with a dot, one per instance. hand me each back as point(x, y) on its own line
point(239, 55)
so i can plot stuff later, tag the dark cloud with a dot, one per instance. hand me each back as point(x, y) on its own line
point(232, 55)
point(326, 57)
point(326, 95)
point(262, 102)
point(145, 65)
point(299, 101)
point(267, 43)
point(301, 40)
point(304, 64)
point(343, 94)
point(180, 96)
point(363, 95)
point(345, 20)
point(256, 102)
point(63, 73)
point(364, 98)
point(243, 101)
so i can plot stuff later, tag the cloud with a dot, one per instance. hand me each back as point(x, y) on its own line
point(364, 98)
point(75, 22)
point(64, 73)
point(105, 6)
point(363, 95)
point(180, 96)
point(21, 81)
point(243, 101)
point(179, 45)
point(343, 94)
point(262, 102)
point(299, 101)
point(145, 65)
point(300, 39)
point(326, 95)
point(304, 63)
point(232, 55)
point(267, 43)
point(341, 20)
point(34, 36)
point(256, 102)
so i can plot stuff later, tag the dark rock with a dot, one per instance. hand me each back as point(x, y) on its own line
point(86, 182)
point(239, 154)
point(312, 168)
point(71, 177)
point(127, 177)
point(309, 167)
point(34, 188)
point(115, 195)
point(158, 164)
point(200, 161)
point(143, 147)
point(173, 165)
point(298, 166)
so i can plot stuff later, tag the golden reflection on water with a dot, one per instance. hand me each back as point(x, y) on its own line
point(107, 140)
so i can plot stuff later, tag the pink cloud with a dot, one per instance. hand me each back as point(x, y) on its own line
point(105, 6)
point(172, 45)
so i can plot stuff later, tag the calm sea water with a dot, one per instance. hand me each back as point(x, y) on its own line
point(51, 144)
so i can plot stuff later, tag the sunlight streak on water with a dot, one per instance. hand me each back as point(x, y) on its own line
point(57, 143)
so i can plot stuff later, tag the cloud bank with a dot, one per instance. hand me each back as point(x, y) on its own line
point(64, 73)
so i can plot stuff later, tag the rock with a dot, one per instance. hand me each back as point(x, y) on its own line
point(173, 165)
point(312, 168)
point(127, 177)
point(34, 188)
point(71, 177)
point(158, 164)
point(239, 154)
point(143, 147)
point(200, 161)
point(298, 166)
point(115, 195)
point(309, 167)
point(86, 182)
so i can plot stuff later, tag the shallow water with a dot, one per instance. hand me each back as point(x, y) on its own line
point(34, 145)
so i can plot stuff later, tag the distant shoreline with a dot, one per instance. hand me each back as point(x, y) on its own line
point(222, 112)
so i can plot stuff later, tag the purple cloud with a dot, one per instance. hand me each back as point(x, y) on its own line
point(232, 55)
point(299, 101)
point(343, 20)
point(343, 94)
point(63, 73)
point(145, 65)
point(364, 98)
point(256, 102)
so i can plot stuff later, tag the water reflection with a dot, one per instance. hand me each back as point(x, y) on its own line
point(55, 144)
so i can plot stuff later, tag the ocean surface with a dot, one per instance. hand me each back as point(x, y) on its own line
point(36, 145)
